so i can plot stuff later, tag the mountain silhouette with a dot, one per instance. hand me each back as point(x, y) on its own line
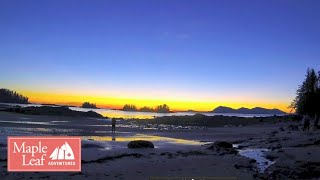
point(256, 110)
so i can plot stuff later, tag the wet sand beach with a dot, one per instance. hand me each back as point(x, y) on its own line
point(260, 151)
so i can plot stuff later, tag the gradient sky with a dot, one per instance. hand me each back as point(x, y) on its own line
point(190, 54)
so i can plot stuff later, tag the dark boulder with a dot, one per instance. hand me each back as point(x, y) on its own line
point(140, 144)
point(221, 144)
point(317, 142)
point(253, 161)
point(223, 148)
point(271, 157)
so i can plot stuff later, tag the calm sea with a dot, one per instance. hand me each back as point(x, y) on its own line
point(144, 115)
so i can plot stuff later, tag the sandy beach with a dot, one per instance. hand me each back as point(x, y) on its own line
point(263, 151)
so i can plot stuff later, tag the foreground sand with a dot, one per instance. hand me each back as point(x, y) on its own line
point(178, 152)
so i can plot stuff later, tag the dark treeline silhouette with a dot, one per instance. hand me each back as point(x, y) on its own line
point(88, 105)
point(8, 96)
point(159, 109)
point(146, 109)
point(307, 101)
point(129, 107)
point(162, 109)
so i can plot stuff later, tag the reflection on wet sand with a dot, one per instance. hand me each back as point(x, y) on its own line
point(144, 137)
point(258, 155)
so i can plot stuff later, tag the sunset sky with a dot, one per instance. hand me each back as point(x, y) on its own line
point(189, 54)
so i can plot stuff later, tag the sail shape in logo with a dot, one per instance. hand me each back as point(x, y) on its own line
point(68, 152)
point(63, 153)
point(54, 154)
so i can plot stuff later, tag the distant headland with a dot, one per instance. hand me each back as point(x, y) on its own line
point(256, 110)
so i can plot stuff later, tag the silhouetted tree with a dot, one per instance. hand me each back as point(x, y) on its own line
point(317, 99)
point(89, 105)
point(307, 96)
point(8, 96)
point(146, 109)
point(162, 109)
point(129, 107)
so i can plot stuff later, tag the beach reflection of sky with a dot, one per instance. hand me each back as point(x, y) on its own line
point(258, 155)
point(154, 139)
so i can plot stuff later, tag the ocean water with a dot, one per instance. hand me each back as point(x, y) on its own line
point(144, 115)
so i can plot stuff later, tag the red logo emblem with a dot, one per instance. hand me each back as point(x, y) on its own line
point(44, 153)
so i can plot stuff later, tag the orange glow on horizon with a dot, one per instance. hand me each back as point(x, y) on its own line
point(118, 102)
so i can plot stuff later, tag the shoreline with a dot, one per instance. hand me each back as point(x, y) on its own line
point(120, 114)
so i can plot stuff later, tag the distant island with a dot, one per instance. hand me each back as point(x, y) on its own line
point(52, 111)
point(89, 105)
point(8, 96)
point(159, 109)
point(256, 110)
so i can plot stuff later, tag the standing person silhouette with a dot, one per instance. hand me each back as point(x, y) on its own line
point(113, 125)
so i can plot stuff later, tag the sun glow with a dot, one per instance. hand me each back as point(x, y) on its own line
point(174, 104)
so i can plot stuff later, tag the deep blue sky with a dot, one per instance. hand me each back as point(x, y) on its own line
point(197, 50)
